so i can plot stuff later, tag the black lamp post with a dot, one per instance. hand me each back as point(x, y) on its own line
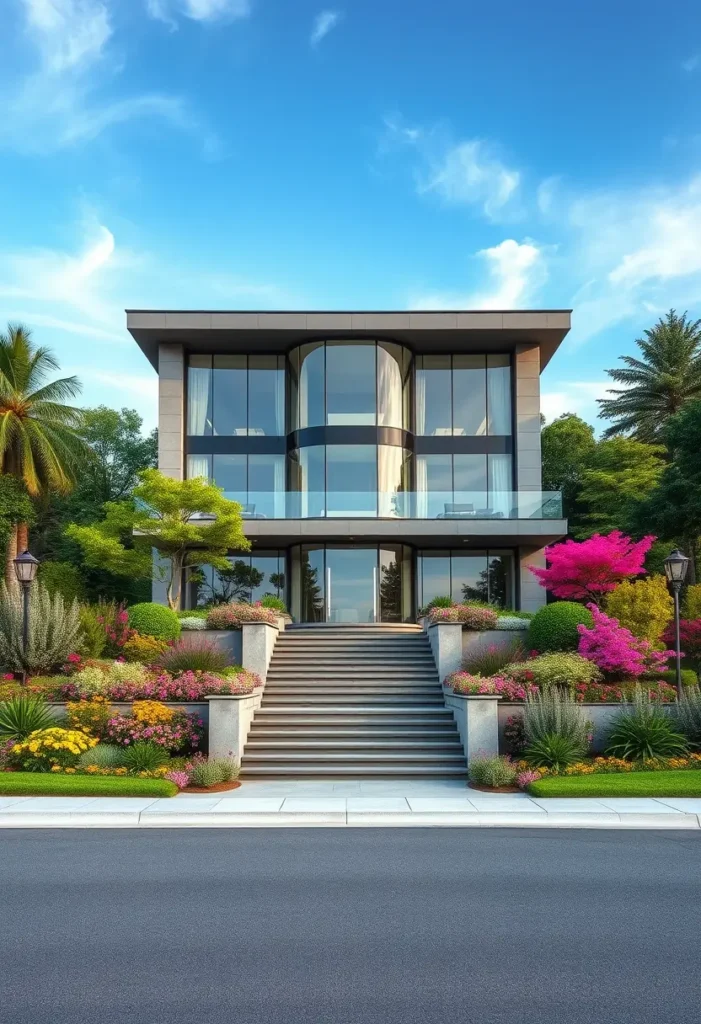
point(26, 566)
point(675, 566)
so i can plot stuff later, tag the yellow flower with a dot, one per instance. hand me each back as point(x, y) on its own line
point(70, 771)
point(56, 768)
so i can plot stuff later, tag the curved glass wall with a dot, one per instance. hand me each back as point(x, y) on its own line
point(350, 384)
point(349, 479)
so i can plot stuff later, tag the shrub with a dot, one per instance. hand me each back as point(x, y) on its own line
point(192, 623)
point(198, 655)
point(214, 772)
point(144, 756)
point(491, 770)
point(54, 630)
point(616, 651)
point(512, 622)
point(644, 607)
point(156, 620)
point(274, 602)
point(437, 602)
point(554, 627)
point(90, 681)
point(586, 570)
point(152, 712)
point(689, 637)
point(643, 730)
point(556, 669)
point(21, 716)
point(554, 750)
point(549, 714)
point(62, 578)
point(145, 649)
point(475, 686)
point(123, 672)
point(233, 615)
point(93, 639)
point(514, 734)
point(491, 660)
point(183, 732)
point(89, 716)
point(688, 716)
point(180, 778)
point(188, 686)
point(51, 748)
point(115, 621)
point(104, 755)
point(470, 616)
point(689, 677)
point(192, 613)
point(691, 606)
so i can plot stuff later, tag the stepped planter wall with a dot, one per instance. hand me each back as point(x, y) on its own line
point(227, 640)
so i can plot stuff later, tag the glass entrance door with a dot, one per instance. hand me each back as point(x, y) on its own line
point(351, 585)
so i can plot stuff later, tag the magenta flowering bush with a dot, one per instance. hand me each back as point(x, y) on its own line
point(476, 686)
point(181, 779)
point(589, 569)
point(524, 779)
point(469, 616)
point(234, 614)
point(188, 686)
point(616, 651)
point(183, 732)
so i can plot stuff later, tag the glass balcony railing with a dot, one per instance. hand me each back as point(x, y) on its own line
point(464, 505)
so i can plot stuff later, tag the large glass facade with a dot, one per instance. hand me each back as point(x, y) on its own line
point(479, 485)
point(249, 578)
point(463, 395)
point(350, 384)
point(466, 576)
point(236, 395)
point(349, 480)
point(351, 584)
point(256, 481)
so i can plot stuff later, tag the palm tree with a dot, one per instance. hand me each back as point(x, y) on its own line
point(39, 441)
point(657, 385)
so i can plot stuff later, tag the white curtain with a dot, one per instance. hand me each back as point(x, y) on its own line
point(389, 389)
point(499, 395)
point(421, 487)
point(500, 479)
point(280, 400)
point(199, 465)
point(199, 380)
point(420, 401)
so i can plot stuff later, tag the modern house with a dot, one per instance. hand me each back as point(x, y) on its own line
point(382, 459)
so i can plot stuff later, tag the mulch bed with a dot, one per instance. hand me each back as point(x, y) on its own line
point(221, 787)
point(494, 789)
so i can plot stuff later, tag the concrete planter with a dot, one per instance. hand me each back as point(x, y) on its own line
point(474, 643)
point(227, 640)
point(477, 720)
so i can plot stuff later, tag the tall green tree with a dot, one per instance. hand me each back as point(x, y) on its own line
point(188, 522)
point(40, 443)
point(657, 385)
point(621, 472)
point(567, 446)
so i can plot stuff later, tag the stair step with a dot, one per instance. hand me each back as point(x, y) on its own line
point(363, 771)
point(351, 672)
point(372, 756)
point(448, 745)
point(310, 732)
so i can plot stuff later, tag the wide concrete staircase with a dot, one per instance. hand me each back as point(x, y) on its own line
point(353, 701)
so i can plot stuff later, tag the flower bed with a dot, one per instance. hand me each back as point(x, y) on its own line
point(234, 615)
point(474, 686)
point(469, 616)
point(188, 686)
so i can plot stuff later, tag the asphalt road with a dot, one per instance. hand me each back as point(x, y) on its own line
point(333, 926)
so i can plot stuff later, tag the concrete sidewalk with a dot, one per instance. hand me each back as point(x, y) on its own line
point(384, 803)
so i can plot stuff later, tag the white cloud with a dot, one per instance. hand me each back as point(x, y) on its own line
point(516, 271)
point(324, 23)
point(572, 396)
point(692, 63)
point(55, 105)
point(197, 10)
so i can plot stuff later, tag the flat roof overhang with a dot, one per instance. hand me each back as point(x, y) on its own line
point(277, 332)
point(426, 533)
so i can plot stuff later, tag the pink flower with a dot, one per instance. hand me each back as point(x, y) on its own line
point(578, 570)
point(615, 650)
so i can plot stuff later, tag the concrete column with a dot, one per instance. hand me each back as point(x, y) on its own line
point(257, 643)
point(171, 410)
point(527, 426)
point(477, 720)
point(446, 643)
point(229, 723)
point(533, 596)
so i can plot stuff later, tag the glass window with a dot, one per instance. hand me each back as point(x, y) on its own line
point(469, 395)
point(500, 578)
point(199, 396)
point(499, 395)
point(230, 473)
point(308, 584)
point(433, 398)
point(469, 577)
point(466, 576)
point(500, 483)
point(434, 485)
point(311, 386)
point(230, 396)
point(434, 576)
point(266, 396)
point(199, 465)
point(248, 578)
point(392, 473)
point(350, 384)
point(351, 480)
point(395, 583)
point(389, 385)
point(266, 485)
point(312, 481)
point(470, 480)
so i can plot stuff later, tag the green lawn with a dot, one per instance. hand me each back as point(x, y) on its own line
point(40, 784)
point(679, 783)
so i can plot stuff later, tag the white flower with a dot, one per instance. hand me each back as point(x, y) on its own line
point(193, 623)
point(511, 622)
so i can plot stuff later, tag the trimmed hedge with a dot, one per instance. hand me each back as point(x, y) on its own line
point(39, 784)
point(156, 620)
point(554, 627)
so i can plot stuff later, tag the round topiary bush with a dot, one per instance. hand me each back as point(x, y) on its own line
point(156, 620)
point(554, 627)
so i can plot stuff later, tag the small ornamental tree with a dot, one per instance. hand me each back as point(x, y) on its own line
point(165, 515)
point(644, 607)
point(616, 651)
point(587, 570)
point(689, 638)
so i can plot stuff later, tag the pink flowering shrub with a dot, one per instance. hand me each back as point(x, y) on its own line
point(475, 686)
point(470, 616)
point(233, 615)
point(615, 650)
point(188, 686)
point(689, 637)
point(183, 732)
point(524, 779)
point(588, 569)
point(607, 693)
point(181, 779)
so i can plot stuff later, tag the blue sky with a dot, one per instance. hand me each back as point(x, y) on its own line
point(390, 154)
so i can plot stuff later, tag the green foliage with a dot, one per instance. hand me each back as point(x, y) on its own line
point(92, 632)
point(554, 627)
point(196, 655)
point(21, 715)
point(689, 677)
point(54, 630)
point(643, 730)
point(438, 602)
point(640, 784)
point(485, 770)
point(276, 603)
point(688, 715)
point(15, 506)
point(558, 669)
point(155, 620)
point(144, 756)
point(490, 661)
point(567, 444)
point(550, 714)
point(620, 473)
point(164, 514)
point(192, 613)
point(644, 607)
point(214, 772)
point(104, 755)
point(691, 606)
point(29, 784)
point(62, 578)
point(554, 750)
